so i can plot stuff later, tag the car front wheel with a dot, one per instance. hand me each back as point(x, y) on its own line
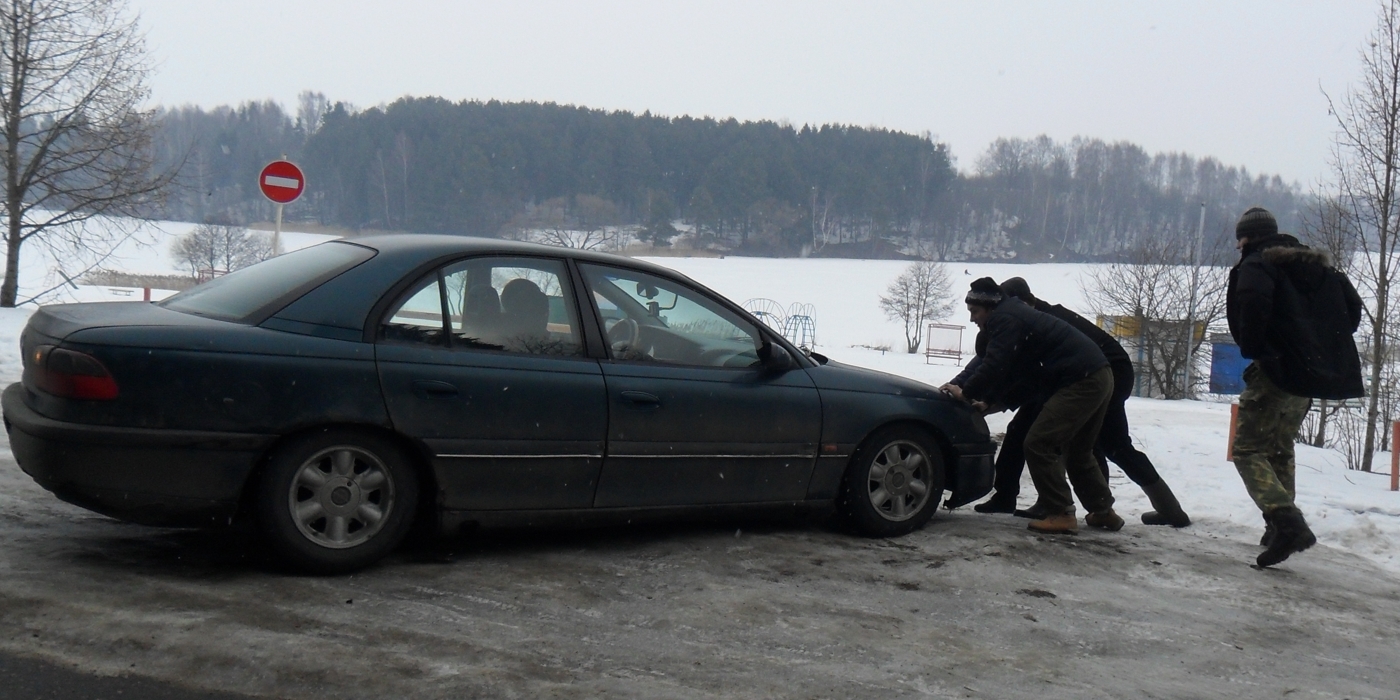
point(894, 482)
point(335, 501)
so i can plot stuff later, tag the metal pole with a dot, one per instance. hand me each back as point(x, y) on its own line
point(277, 233)
point(1191, 307)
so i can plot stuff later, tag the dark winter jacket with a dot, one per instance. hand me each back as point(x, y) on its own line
point(1294, 314)
point(1019, 337)
point(1024, 387)
point(1112, 350)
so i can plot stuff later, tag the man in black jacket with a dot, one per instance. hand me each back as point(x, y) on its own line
point(1023, 397)
point(1074, 374)
point(1293, 314)
point(1114, 441)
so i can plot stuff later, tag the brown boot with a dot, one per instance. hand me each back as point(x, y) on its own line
point(1106, 519)
point(1062, 524)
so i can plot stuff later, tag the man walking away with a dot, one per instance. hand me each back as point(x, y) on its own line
point(1293, 313)
point(1114, 442)
point(1074, 375)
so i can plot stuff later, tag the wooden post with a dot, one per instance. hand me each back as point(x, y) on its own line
point(1234, 420)
point(145, 293)
point(1394, 456)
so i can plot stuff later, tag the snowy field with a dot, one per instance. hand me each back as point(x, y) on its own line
point(1186, 440)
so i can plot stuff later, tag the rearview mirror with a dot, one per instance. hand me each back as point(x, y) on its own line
point(774, 357)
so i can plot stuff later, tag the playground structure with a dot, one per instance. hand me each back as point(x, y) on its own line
point(768, 311)
point(943, 340)
point(797, 323)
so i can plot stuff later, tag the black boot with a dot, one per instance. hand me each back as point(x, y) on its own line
point(997, 504)
point(1035, 512)
point(1268, 537)
point(1165, 509)
point(1291, 534)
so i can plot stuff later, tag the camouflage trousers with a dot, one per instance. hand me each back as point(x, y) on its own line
point(1268, 424)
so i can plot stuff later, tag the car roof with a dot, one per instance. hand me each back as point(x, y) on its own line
point(435, 245)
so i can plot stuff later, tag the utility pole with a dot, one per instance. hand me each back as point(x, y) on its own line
point(1191, 306)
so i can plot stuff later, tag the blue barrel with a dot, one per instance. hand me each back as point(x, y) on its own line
point(1226, 368)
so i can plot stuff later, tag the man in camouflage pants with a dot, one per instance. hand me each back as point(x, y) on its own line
point(1268, 424)
point(1293, 313)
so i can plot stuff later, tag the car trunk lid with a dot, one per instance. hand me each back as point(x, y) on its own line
point(62, 320)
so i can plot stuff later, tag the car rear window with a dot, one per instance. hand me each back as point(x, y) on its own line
point(254, 292)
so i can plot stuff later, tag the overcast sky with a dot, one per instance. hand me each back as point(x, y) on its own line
point(1239, 80)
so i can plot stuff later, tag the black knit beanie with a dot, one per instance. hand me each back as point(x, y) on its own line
point(1017, 287)
point(1257, 222)
point(984, 292)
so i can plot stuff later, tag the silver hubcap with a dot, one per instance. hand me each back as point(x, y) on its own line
point(898, 484)
point(341, 496)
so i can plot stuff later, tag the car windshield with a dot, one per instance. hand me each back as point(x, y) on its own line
point(241, 296)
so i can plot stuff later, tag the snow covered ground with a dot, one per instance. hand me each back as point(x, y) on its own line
point(1186, 440)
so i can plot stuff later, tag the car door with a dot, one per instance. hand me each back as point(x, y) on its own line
point(693, 417)
point(483, 362)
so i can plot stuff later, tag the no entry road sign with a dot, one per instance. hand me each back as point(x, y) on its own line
point(281, 181)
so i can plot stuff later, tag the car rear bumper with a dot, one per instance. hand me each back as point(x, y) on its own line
point(176, 478)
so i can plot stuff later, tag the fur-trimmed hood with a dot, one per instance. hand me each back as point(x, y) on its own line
point(1285, 254)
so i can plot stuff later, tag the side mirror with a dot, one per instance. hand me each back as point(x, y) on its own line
point(774, 357)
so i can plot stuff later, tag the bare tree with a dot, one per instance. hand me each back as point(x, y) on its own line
point(586, 222)
point(220, 248)
point(1366, 160)
point(311, 109)
point(920, 294)
point(76, 139)
point(1151, 293)
point(598, 219)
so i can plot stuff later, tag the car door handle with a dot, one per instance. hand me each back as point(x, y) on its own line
point(641, 398)
point(433, 389)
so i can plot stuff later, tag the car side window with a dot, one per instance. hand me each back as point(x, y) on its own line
point(418, 319)
point(652, 319)
point(507, 304)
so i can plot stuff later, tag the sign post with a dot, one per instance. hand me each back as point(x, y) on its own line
point(1394, 456)
point(282, 182)
point(1234, 421)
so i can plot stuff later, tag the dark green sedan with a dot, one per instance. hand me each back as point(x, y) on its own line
point(337, 394)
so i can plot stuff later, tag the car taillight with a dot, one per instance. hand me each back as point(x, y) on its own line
point(71, 374)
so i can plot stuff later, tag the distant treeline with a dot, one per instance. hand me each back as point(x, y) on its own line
point(494, 168)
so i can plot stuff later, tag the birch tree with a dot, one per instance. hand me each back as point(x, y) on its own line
point(1367, 163)
point(76, 133)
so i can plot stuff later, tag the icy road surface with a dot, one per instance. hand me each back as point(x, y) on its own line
point(973, 606)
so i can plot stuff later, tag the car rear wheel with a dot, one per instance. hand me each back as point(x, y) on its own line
point(335, 501)
point(894, 482)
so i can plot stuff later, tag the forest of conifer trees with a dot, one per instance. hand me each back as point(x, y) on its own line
point(765, 188)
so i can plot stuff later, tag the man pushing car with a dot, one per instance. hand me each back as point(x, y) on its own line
point(1076, 379)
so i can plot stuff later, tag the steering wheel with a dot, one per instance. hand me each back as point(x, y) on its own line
point(623, 335)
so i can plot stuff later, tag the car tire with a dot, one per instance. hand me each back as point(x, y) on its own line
point(334, 501)
point(894, 482)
